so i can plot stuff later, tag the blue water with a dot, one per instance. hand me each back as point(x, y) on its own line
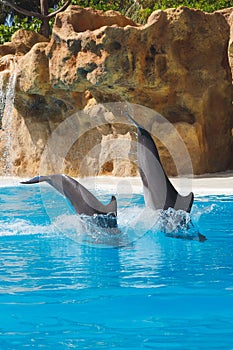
point(65, 287)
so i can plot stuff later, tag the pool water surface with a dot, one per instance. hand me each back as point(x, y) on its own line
point(60, 289)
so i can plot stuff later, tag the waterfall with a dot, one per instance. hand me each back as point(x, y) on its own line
point(2, 96)
point(7, 96)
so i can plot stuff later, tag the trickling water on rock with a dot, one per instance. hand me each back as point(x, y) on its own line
point(2, 96)
point(7, 96)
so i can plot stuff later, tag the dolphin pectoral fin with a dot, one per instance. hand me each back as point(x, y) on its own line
point(35, 180)
point(111, 208)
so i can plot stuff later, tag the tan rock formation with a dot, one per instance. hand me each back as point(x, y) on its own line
point(177, 64)
point(21, 42)
point(228, 15)
point(76, 49)
point(174, 65)
point(41, 108)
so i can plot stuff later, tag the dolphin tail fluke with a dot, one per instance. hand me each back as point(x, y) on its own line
point(35, 180)
point(184, 202)
point(111, 208)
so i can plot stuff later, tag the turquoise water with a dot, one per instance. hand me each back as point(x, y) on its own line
point(63, 286)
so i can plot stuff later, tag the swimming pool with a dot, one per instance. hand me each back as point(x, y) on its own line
point(63, 290)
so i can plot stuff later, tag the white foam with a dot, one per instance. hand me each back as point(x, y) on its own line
point(22, 227)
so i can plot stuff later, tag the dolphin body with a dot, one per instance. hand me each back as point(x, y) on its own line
point(82, 200)
point(159, 193)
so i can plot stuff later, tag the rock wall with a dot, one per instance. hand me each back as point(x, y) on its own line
point(177, 64)
point(230, 21)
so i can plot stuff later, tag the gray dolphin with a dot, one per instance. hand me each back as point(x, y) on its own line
point(159, 193)
point(83, 201)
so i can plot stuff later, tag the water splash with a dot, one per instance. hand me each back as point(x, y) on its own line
point(133, 224)
point(7, 97)
point(178, 224)
point(23, 227)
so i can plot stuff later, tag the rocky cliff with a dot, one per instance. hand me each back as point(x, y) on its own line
point(178, 65)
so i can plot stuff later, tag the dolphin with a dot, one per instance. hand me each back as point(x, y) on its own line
point(159, 193)
point(82, 200)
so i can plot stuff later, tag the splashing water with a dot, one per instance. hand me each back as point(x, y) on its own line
point(178, 224)
point(23, 212)
point(7, 98)
point(133, 224)
point(83, 230)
